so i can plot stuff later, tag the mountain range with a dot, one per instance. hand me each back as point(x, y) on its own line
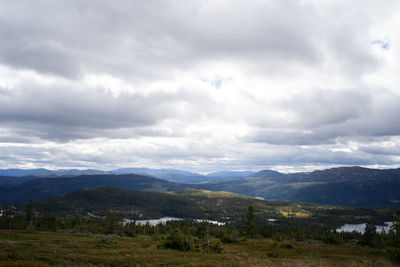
point(42, 188)
point(166, 174)
point(346, 186)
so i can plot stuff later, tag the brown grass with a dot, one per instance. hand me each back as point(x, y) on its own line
point(66, 249)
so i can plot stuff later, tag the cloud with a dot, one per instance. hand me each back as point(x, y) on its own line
point(63, 111)
point(199, 85)
point(138, 40)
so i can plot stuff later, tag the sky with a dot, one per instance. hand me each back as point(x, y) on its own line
point(199, 85)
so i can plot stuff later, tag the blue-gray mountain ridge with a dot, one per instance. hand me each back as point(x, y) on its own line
point(346, 186)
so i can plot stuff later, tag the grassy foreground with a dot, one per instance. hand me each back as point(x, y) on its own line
point(20, 248)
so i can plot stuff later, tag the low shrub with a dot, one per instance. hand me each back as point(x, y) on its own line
point(177, 240)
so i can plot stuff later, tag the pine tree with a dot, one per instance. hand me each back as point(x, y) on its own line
point(250, 224)
point(369, 237)
point(30, 213)
point(394, 232)
point(30, 217)
point(113, 222)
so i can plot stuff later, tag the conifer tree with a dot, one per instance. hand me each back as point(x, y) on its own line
point(250, 224)
point(369, 237)
point(29, 215)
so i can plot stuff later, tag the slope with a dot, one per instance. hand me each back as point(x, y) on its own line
point(48, 187)
point(350, 186)
point(201, 204)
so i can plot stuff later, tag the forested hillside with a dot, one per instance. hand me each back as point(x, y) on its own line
point(346, 186)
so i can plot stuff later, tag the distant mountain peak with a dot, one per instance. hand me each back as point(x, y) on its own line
point(231, 174)
point(269, 173)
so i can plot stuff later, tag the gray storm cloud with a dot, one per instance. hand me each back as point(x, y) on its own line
point(136, 38)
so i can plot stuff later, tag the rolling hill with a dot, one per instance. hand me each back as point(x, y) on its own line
point(187, 203)
point(348, 186)
point(48, 187)
point(201, 204)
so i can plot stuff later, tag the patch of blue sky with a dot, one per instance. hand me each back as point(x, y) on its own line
point(217, 83)
point(382, 44)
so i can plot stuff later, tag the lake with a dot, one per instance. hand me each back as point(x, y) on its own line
point(361, 227)
point(163, 220)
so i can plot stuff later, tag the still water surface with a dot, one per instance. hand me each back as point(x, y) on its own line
point(361, 227)
point(163, 220)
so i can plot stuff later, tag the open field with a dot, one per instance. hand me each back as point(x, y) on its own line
point(21, 248)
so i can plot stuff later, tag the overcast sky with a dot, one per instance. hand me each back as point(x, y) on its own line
point(201, 85)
